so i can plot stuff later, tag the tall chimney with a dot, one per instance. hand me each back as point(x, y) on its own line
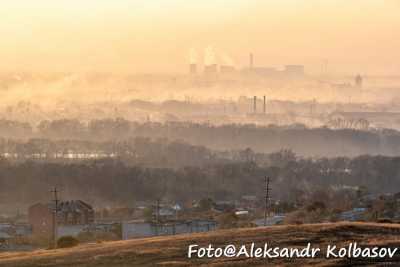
point(251, 61)
point(265, 105)
point(255, 105)
point(192, 68)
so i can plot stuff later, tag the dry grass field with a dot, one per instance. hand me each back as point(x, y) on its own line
point(172, 250)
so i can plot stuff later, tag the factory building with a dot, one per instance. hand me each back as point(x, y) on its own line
point(294, 70)
point(211, 69)
point(225, 69)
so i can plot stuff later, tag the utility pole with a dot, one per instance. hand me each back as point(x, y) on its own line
point(265, 105)
point(157, 224)
point(56, 201)
point(267, 189)
point(158, 211)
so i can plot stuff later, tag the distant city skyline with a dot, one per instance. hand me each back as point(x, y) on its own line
point(157, 36)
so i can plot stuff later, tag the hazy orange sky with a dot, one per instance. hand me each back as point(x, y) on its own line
point(157, 35)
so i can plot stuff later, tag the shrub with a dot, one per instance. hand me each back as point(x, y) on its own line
point(205, 204)
point(384, 220)
point(39, 240)
point(315, 206)
point(67, 242)
point(86, 237)
point(228, 220)
point(117, 230)
point(148, 214)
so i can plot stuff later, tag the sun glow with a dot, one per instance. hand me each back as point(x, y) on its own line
point(156, 35)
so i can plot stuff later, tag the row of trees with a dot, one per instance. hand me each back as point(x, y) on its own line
point(133, 151)
point(307, 142)
point(102, 182)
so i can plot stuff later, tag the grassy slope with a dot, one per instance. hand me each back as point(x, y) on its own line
point(172, 250)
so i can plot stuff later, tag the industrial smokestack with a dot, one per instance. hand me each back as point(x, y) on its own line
point(255, 105)
point(193, 68)
point(251, 61)
point(265, 105)
point(359, 81)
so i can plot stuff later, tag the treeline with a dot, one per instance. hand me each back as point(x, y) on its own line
point(108, 181)
point(133, 151)
point(306, 142)
point(138, 151)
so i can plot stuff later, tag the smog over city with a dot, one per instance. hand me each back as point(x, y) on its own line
point(133, 119)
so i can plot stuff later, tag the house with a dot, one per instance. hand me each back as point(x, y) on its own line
point(9, 234)
point(4, 240)
point(74, 212)
point(242, 213)
point(356, 214)
point(40, 217)
point(223, 206)
point(248, 202)
point(70, 230)
point(140, 228)
point(164, 213)
point(6, 232)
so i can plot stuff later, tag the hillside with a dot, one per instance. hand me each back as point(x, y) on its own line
point(172, 250)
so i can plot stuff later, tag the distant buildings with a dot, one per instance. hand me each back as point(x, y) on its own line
point(226, 69)
point(274, 220)
point(264, 71)
point(289, 71)
point(356, 214)
point(294, 70)
point(40, 218)
point(164, 213)
point(74, 212)
point(140, 229)
point(212, 68)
